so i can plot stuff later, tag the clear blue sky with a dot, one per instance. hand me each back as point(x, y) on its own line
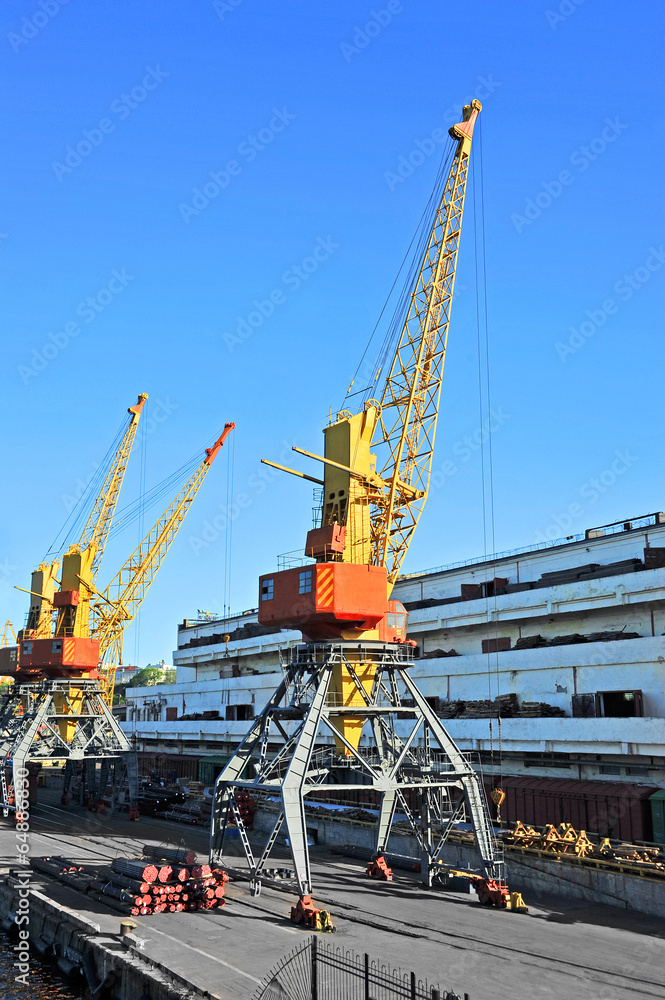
point(303, 111)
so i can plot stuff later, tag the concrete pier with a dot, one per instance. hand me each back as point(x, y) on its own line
point(569, 948)
point(565, 879)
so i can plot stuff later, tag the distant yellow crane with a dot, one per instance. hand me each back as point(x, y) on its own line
point(64, 661)
point(4, 641)
point(82, 560)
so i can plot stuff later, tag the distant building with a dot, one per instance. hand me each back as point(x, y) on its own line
point(545, 662)
point(124, 674)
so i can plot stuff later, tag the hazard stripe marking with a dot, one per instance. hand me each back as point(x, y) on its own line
point(325, 587)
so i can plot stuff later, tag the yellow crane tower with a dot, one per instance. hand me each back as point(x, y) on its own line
point(65, 659)
point(351, 679)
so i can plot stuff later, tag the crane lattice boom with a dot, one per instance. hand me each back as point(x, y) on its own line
point(115, 608)
point(98, 524)
point(410, 402)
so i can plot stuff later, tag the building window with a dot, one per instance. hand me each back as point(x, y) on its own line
point(305, 582)
point(619, 704)
point(239, 713)
point(267, 590)
point(610, 769)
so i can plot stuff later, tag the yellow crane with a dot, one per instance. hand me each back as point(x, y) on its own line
point(60, 706)
point(83, 558)
point(351, 677)
point(380, 505)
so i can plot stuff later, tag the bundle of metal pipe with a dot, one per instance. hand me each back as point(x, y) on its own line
point(61, 865)
point(139, 887)
point(193, 819)
point(201, 871)
point(144, 871)
point(176, 855)
point(123, 880)
point(117, 892)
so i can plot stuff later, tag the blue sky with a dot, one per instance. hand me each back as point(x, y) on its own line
point(297, 117)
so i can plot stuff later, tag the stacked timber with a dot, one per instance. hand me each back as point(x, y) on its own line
point(505, 706)
point(539, 710)
point(451, 709)
point(530, 642)
point(539, 641)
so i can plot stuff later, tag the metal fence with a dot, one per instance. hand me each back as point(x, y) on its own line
point(317, 970)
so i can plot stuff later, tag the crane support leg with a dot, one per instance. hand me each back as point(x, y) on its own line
point(393, 757)
point(63, 720)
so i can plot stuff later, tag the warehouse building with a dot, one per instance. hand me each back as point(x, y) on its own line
point(546, 663)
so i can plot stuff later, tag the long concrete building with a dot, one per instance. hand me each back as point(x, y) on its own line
point(546, 663)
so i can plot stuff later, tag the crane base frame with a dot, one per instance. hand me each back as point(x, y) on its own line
point(425, 759)
point(30, 715)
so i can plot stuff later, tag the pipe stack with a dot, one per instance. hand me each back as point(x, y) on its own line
point(140, 887)
point(167, 882)
point(177, 855)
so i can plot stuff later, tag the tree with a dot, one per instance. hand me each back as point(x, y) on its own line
point(147, 677)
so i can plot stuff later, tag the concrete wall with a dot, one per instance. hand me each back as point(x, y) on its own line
point(552, 674)
point(529, 566)
point(609, 599)
point(557, 878)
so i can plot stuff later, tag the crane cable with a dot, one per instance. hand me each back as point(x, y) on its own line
point(414, 256)
point(228, 530)
point(140, 520)
point(84, 503)
point(487, 475)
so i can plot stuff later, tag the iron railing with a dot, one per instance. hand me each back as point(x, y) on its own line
point(317, 970)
